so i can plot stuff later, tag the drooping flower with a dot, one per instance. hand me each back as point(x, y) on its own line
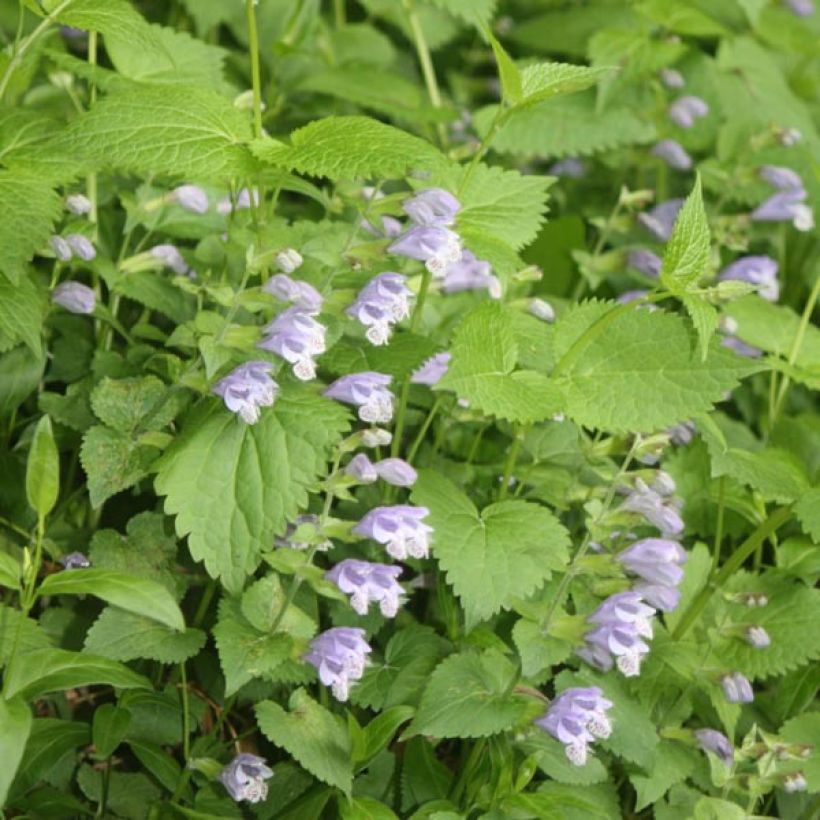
point(658, 562)
point(400, 528)
point(541, 309)
point(433, 370)
point(75, 560)
point(436, 246)
point(61, 248)
point(246, 389)
point(756, 270)
point(396, 471)
point(362, 469)
point(622, 621)
point(576, 718)
point(339, 655)
point(681, 434)
point(78, 204)
point(366, 582)
point(469, 273)
point(433, 206)
point(780, 177)
point(288, 260)
point(368, 391)
point(786, 206)
point(75, 297)
point(170, 257)
point(673, 154)
point(672, 78)
point(81, 246)
point(736, 688)
point(686, 110)
point(660, 221)
point(297, 337)
point(191, 198)
point(663, 483)
point(650, 504)
point(648, 263)
point(569, 167)
point(758, 637)
point(382, 302)
point(301, 294)
point(244, 778)
point(710, 740)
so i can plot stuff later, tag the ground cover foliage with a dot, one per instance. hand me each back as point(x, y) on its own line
point(408, 409)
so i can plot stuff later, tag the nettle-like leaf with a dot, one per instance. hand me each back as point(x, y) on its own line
point(543, 81)
point(506, 551)
point(687, 252)
point(467, 696)
point(234, 486)
point(20, 313)
point(671, 763)
point(482, 370)
point(807, 511)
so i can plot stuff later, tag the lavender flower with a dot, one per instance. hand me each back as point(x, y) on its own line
point(75, 297)
point(191, 198)
point(736, 688)
point(710, 740)
point(399, 528)
point(782, 178)
point(366, 582)
point(170, 257)
point(635, 296)
point(648, 263)
point(756, 270)
point(660, 221)
point(391, 227)
point(622, 620)
point(686, 110)
point(434, 206)
point(78, 204)
point(672, 78)
point(673, 154)
point(436, 246)
point(61, 248)
point(339, 655)
point(368, 391)
point(302, 294)
point(75, 560)
point(246, 389)
point(81, 246)
point(396, 471)
point(297, 337)
point(469, 273)
point(541, 309)
point(433, 370)
point(361, 468)
point(786, 206)
point(569, 167)
point(244, 778)
point(758, 637)
point(657, 560)
point(646, 502)
point(289, 260)
point(382, 302)
point(576, 718)
point(681, 434)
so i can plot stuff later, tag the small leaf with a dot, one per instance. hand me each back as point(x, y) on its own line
point(109, 728)
point(705, 319)
point(508, 73)
point(43, 470)
point(686, 258)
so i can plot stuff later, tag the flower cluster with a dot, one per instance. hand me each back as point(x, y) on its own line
point(246, 389)
point(576, 718)
point(366, 582)
point(381, 303)
point(400, 529)
point(75, 244)
point(788, 204)
point(339, 656)
point(368, 392)
point(297, 337)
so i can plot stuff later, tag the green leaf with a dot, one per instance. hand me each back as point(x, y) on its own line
point(20, 374)
point(43, 470)
point(15, 726)
point(10, 571)
point(20, 312)
point(377, 735)
point(713, 808)
point(482, 369)
point(511, 81)
point(507, 551)
point(672, 763)
point(543, 81)
point(124, 636)
point(51, 670)
point(262, 602)
point(111, 18)
point(365, 808)
point(313, 736)
point(153, 290)
point(805, 729)
point(538, 651)
point(129, 592)
point(623, 380)
point(405, 353)
point(121, 404)
point(471, 11)
point(682, 18)
point(109, 728)
point(349, 148)
point(19, 634)
point(467, 696)
point(158, 762)
point(233, 486)
point(686, 257)
point(705, 319)
point(807, 511)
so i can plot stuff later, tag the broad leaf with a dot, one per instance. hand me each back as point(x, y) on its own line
point(109, 727)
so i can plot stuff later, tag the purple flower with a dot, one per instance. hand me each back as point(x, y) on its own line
point(339, 655)
point(646, 502)
point(73, 33)
point(368, 391)
point(685, 110)
point(244, 778)
point(366, 582)
point(660, 221)
point(782, 178)
point(297, 337)
point(710, 740)
point(243, 201)
point(78, 204)
point(302, 294)
point(801, 8)
point(396, 471)
point(786, 206)
point(289, 260)
point(170, 257)
point(75, 560)
point(756, 270)
point(736, 688)
point(81, 246)
point(436, 246)
point(672, 78)
point(576, 718)
point(362, 469)
point(569, 167)
point(622, 621)
point(433, 370)
point(673, 154)
point(648, 263)
point(758, 637)
point(435, 206)
point(541, 309)
point(740, 347)
point(191, 198)
point(635, 296)
point(657, 560)
point(246, 389)
point(382, 302)
point(399, 528)
point(61, 248)
point(391, 227)
point(75, 297)
point(469, 273)
point(662, 597)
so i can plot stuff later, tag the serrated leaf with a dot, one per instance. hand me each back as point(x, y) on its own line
point(506, 551)
point(482, 369)
point(705, 319)
point(537, 650)
point(121, 404)
point(807, 511)
point(20, 312)
point(15, 726)
point(153, 290)
point(405, 353)
point(43, 470)
point(543, 81)
point(234, 486)
point(467, 696)
point(315, 737)
point(19, 634)
point(686, 257)
point(552, 760)
point(112, 18)
point(672, 763)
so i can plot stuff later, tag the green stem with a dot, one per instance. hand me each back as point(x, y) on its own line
point(719, 525)
point(186, 720)
point(509, 466)
point(411, 453)
point(734, 562)
point(339, 13)
point(204, 603)
point(253, 37)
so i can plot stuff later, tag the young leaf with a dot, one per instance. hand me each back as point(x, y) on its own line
point(15, 725)
point(687, 253)
point(705, 319)
point(43, 470)
point(511, 81)
point(543, 81)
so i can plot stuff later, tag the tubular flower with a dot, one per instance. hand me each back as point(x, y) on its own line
point(244, 778)
point(469, 273)
point(686, 110)
point(758, 637)
point(246, 389)
point(75, 297)
point(382, 302)
point(673, 154)
point(400, 528)
point(576, 718)
point(433, 370)
point(297, 337)
point(368, 391)
point(81, 246)
point(438, 247)
point(650, 504)
point(780, 177)
point(301, 294)
point(786, 206)
point(672, 78)
point(339, 656)
point(289, 260)
point(710, 740)
point(396, 471)
point(756, 270)
point(170, 257)
point(658, 562)
point(78, 204)
point(737, 688)
point(434, 206)
point(362, 469)
point(61, 248)
point(660, 221)
point(366, 582)
point(191, 198)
